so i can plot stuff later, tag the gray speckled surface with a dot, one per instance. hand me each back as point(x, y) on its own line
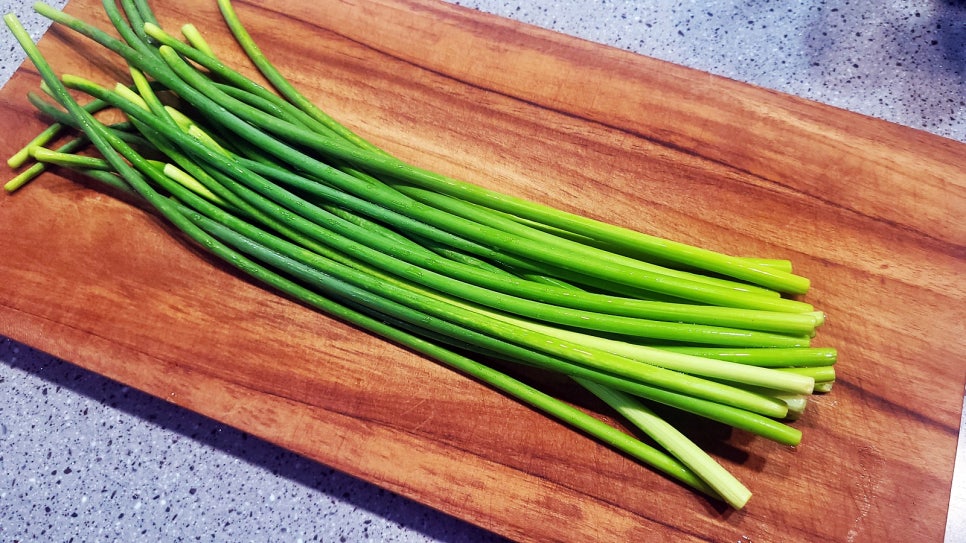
point(10, 54)
point(83, 458)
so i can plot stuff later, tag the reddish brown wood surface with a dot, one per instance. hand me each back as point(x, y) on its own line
point(873, 213)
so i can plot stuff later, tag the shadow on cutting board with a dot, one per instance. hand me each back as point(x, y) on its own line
point(54, 375)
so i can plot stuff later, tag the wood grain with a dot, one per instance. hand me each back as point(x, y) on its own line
point(872, 212)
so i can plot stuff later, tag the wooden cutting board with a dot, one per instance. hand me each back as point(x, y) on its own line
point(873, 213)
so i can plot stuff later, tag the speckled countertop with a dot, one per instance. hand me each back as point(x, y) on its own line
point(83, 458)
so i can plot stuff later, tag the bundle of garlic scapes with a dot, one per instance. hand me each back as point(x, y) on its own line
point(266, 181)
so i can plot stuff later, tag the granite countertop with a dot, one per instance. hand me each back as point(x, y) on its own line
point(81, 455)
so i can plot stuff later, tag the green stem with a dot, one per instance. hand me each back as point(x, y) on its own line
point(726, 485)
point(47, 156)
point(21, 157)
point(769, 358)
point(740, 268)
point(280, 83)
